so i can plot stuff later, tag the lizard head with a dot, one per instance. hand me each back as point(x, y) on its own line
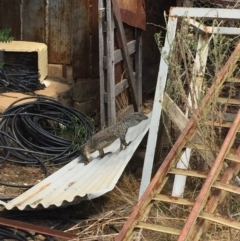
point(85, 152)
point(87, 148)
point(135, 118)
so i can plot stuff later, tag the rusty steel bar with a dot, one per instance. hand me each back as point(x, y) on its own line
point(36, 229)
point(216, 198)
point(185, 136)
point(212, 176)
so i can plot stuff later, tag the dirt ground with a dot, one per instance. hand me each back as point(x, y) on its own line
point(12, 175)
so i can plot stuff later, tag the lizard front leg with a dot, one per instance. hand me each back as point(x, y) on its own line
point(85, 160)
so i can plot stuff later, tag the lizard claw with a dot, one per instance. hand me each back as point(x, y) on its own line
point(124, 145)
point(84, 160)
point(104, 154)
point(128, 143)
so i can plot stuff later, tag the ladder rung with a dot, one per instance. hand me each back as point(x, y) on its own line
point(199, 146)
point(233, 157)
point(119, 87)
point(229, 101)
point(118, 53)
point(206, 148)
point(219, 124)
point(186, 172)
point(171, 199)
point(227, 187)
point(233, 80)
point(158, 228)
point(226, 124)
point(224, 221)
point(101, 14)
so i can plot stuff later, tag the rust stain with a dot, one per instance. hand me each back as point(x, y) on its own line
point(133, 13)
point(33, 194)
point(33, 20)
point(37, 201)
point(84, 39)
point(59, 31)
point(70, 184)
point(10, 17)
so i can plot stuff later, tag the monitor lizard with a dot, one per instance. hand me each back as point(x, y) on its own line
point(107, 136)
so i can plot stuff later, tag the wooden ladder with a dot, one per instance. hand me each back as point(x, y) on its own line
point(201, 211)
point(109, 57)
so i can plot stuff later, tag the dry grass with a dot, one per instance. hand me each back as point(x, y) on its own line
point(118, 205)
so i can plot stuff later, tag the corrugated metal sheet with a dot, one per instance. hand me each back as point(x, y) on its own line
point(76, 182)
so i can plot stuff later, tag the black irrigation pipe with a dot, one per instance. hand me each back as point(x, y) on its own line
point(31, 132)
point(19, 235)
point(15, 234)
point(19, 73)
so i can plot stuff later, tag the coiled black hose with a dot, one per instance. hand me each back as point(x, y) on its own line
point(42, 131)
point(20, 72)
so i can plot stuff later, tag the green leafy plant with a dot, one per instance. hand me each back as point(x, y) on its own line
point(5, 35)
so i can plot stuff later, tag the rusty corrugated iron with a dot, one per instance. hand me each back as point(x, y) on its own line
point(133, 13)
point(84, 34)
point(10, 17)
point(59, 41)
point(69, 28)
point(34, 20)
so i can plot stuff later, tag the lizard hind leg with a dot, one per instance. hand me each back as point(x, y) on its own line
point(124, 143)
point(102, 154)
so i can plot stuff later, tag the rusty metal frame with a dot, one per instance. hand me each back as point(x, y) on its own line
point(216, 198)
point(190, 14)
point(157, 183)
point(211, 178)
